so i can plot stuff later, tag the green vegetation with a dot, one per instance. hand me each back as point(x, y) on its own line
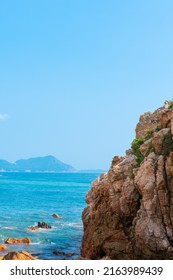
point(168, 143)
point(158, 128)
point(148, 135)
point(170, 104)
point(137, 142)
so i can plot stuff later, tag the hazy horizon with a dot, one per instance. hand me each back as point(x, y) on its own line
point(75, 76)
point(46, 156)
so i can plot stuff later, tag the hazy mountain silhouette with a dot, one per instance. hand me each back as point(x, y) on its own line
point(42, 164)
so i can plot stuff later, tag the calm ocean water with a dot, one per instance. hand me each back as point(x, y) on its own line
point(27, 198)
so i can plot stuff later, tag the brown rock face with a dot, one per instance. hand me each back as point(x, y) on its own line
point(18, 240)
point(130, 208)
point(150, 121)
point(18, 256)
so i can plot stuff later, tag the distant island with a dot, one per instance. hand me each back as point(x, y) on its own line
point(37, 164)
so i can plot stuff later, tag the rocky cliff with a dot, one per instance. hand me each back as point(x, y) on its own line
point(130, 208)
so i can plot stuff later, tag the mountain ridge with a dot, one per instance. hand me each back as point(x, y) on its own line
point(36, 164)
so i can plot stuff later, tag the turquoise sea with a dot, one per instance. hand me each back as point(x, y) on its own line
point(28, 198)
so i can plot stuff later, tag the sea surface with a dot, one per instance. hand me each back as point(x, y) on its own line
point(28, 198)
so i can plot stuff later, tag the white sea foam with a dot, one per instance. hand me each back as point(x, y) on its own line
point(35, 243)
point(9, 227)
point(73, 225)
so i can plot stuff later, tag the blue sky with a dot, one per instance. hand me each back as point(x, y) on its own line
point(76, 75)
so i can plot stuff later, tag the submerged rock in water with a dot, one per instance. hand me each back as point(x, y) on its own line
point(18, 256)
point(25, 240)
point(3, 247)
point(130, 208)
point(68, 255)
point(56, 216)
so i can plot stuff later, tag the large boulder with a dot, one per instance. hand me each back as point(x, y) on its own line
point(18, 256)
point(3, 247)
point(25, 240)
point(159, 140)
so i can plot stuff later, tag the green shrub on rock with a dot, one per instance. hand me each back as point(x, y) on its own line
point(167, 143)
point(137, 142)
point(170, 104)
point(148, 135)
point(158, 128)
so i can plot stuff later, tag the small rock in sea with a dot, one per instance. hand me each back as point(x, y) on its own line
point(63, 254)
point(25, 240)
point(43, 225)
point(3, 247)
point(56, 216)
point(18, 256)
point(33, 228)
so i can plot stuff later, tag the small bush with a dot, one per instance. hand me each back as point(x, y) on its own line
point(170, 104)
point(168, 143)
point(158, 128)
point(137, 142)
point(148, 135)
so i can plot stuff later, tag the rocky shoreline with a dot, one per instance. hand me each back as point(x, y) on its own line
point(7, 254)
point(130, 208)
point(15, 255)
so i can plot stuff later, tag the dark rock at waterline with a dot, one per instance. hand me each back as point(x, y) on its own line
point(68, 255)
point(43, 225)
point(40, 225)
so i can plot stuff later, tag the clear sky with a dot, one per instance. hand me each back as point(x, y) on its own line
point(75, 75)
